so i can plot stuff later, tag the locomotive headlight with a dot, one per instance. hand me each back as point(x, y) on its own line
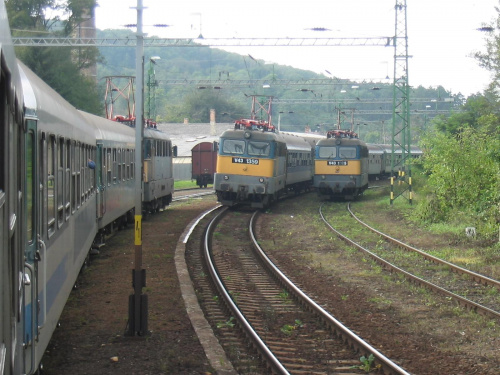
point(226, 177)
point(261, 180)
point(323, 177)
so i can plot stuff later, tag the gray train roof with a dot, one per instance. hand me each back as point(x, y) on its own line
point(156, 134)
point(53, 112)
point(107, 130)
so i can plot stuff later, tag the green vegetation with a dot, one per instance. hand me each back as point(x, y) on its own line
point(60, 67)
point(227, 324)
point(367, 363)
point(287, 329)
point(185, 184)
point(461, 168)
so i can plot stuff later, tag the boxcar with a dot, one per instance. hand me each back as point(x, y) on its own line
point(204, 163)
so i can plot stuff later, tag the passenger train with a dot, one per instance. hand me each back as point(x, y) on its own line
point(66, 179)
point(256, 165)
point(344, 164)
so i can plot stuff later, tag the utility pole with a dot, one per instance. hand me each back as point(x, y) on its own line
point(138, 302)
point(401, 140)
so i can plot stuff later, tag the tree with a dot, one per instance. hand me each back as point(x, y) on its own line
point(60, 67)
point(464, 176)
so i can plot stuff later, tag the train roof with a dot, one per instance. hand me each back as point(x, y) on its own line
point(397, 149)
point(341, 141)
point(155, 134)
point(9, 66)
point(293, 142)
point(107, 130)
point(375, 149)
point(51, 109)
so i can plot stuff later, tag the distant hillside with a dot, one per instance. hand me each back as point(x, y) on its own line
point(369, 104)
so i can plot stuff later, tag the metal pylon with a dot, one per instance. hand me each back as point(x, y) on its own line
point(401, 140)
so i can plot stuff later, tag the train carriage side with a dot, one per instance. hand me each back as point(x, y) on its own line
point(158, 170)
point(13, 230)
point(376, 161)
point(341, 167)
point(61, 208)
point(300, 162)
point(114, 171)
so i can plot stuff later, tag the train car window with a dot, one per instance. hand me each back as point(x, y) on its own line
point(78, 181)
point(123, 163)
point(119, 163)
point(233, 146)
point(259, 148)
point(81, 175)
point(347, 152)
point(115, 167)
point(327, 152)
point(67, 188)
point(51, 204)
point(92, 172)
point(127, 163)
point(132, 163)
point(73, 177)
point(147, 148)
point(84, 173)
point(109, 167)
point(60, 182)
point(30, 188)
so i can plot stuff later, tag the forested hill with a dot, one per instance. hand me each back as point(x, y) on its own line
point(371, 103)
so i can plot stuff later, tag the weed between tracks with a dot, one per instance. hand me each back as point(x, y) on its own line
point(408, 321)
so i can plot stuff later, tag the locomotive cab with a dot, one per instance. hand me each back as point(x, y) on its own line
point(341, 166)
point(250, 167)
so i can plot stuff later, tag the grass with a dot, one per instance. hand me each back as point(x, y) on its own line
point(185, 184)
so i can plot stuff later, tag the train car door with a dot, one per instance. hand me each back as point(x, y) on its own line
point(101, 181)
point(34, 243)
point(11, 254)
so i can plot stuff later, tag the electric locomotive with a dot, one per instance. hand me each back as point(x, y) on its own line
point(341, 165)
point(158, 170)
point(256, 165)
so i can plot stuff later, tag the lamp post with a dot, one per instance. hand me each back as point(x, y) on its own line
point(152, 88)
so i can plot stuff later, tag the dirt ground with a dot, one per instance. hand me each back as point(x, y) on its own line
point(91, 338)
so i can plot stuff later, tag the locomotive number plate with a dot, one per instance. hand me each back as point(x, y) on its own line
point(246, 161)
point(337, 162)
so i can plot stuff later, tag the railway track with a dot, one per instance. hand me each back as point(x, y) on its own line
point(472, 290)
point(251, 304)
point(191, 193)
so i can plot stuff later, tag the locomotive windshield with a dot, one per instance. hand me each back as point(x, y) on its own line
point(241, 147)
point(233, 146)
point(327, 152)
point(347, 152)
point(258, 148)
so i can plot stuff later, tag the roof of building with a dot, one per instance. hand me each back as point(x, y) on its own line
point(186, 136)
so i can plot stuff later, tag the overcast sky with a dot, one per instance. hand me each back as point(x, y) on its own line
point(441, 33)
